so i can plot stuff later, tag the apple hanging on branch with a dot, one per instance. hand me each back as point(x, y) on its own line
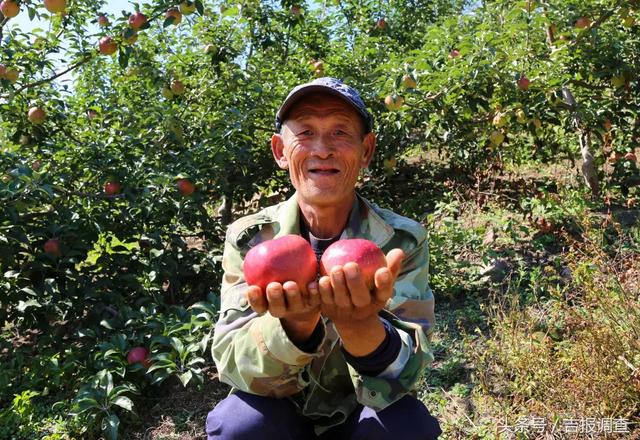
point(55, 6)
point(9, 8)
point(583, 22)
point(187, 7)
point(52, 247)
point(11, 75)
point(295, 10)
point(36, 115)
point(111, 188)
point(137, 20)
point(409, 81)
point(103, 21)
point(381, 24)
point(186, 187)
point(172, 17)
point(138, 355)
point(523, 82)
point(177, 87)
point(393, 102)
point(107, 46)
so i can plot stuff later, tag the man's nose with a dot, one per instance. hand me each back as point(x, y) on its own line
point(323, 147)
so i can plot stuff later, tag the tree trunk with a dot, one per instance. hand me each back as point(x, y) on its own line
point(589, 171)
point(225, 209)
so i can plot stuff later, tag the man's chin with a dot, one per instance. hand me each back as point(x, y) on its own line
point(323, 197)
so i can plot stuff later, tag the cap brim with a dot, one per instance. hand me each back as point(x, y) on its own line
point(311, 88)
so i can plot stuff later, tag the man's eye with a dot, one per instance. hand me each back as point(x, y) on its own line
point(340, 133)
point(307, 133)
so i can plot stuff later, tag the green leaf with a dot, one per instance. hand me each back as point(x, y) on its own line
point(84, 404)
point(185, 377)
point(199, 7)
point(110, 426)
point(105, 379)
point(123, 402)
point(207, 307)
point(23, 305)
point(177, 345)
point(123, 57)
point(231, 12)
point(29, 291)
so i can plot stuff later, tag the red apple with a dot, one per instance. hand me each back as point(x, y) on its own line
point(523, 83)
point(111, 188)
point(107, 46)
point(295, 10)
point(615, 156)
point(186, 187)
point(11, 74)
point(381, 24)
point(174, 15)
point(138, 355)
point(9, 8)
point(103, 21)
point(177, 87)
point(55, 6)
point(366, 254)
point(52, 246)
point(583, 22)
point(318, 67)
point(454, 54)
point(409, 81)
point(35, 166)
point(3, 70)
point(36, 115)
point(137, 20)
point(287, 258)
point(393, 102)
point(630, 156)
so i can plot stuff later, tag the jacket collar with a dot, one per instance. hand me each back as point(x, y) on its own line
point(364, 221)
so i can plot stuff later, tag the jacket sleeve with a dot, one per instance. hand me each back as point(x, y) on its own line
point(252, 352)
point(410, 310)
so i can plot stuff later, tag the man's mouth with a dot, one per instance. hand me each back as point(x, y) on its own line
point(323, 171)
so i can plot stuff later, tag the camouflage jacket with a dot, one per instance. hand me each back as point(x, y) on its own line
point(253, 353)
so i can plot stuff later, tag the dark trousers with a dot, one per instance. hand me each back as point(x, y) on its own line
point(247, 416)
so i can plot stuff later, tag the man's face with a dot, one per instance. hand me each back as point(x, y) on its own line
point(323, 146)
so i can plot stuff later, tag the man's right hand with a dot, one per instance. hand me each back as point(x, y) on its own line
point(299, 311)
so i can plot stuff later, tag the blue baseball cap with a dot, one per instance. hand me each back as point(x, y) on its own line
point(332, 86)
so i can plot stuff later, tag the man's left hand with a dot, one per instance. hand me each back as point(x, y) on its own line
point(346, 300)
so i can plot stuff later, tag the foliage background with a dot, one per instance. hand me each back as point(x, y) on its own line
point(494, 170)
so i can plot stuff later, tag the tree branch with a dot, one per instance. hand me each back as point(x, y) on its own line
point(51, 78)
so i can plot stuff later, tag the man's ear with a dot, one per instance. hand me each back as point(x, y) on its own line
point(277, 148)
point(369, 144)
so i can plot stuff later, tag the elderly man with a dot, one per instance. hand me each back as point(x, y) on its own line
point(330, 360)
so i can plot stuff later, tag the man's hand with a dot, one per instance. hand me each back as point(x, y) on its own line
point(299, 311)
point(346, 300)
